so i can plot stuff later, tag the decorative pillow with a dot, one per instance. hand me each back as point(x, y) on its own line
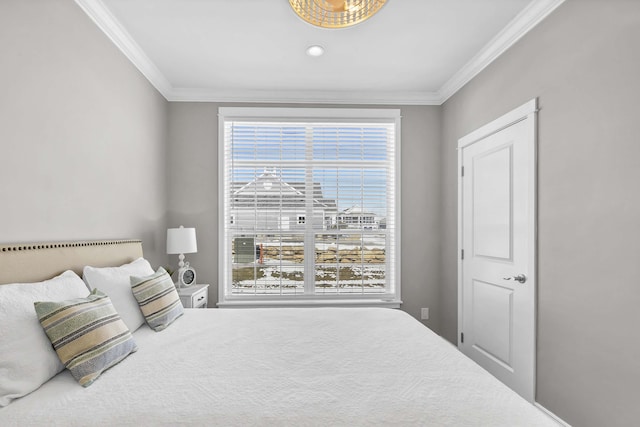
point(87, 333)
point(158, 299)
point(114, 281)
point(26, 358)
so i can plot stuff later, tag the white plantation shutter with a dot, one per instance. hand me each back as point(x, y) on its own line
point(308, 204)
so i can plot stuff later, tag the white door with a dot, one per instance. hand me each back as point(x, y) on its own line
point(497, 270)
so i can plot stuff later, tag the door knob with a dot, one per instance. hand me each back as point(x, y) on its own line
point(519, 278)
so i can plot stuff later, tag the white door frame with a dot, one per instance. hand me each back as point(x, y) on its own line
point(526, 111)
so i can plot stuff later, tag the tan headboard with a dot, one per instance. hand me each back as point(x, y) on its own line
point(34, 262)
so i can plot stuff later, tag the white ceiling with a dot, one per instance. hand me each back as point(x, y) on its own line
point(411, 52)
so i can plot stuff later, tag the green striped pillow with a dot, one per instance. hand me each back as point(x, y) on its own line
point(157, 298)
point(87, 333)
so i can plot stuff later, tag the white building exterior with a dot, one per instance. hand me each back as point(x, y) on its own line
point(269, 203)
point(357, 218)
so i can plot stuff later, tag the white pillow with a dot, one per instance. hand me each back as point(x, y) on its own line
point(114, 282)
point(27, 359)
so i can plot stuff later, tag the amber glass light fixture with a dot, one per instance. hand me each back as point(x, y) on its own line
point(336, 13)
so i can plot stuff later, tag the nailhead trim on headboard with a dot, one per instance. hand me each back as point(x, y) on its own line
point(30, 247)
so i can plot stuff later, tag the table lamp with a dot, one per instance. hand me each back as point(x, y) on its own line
point(183, 241)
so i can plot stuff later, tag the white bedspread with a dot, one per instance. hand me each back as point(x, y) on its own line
point(321, 366)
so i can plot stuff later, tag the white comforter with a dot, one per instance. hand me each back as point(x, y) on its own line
point(321, 366)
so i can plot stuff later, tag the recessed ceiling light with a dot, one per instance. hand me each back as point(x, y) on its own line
point(315, 50)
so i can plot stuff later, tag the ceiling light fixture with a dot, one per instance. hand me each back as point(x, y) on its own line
point(336, 13)
point(315, 50)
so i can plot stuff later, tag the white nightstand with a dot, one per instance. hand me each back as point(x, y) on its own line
point(195, 296)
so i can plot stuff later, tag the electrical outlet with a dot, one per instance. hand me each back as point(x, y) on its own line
point(424, 313)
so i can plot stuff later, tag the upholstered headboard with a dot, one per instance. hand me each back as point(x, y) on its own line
point(34, 262)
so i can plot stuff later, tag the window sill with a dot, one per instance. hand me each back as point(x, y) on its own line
point(310, 303)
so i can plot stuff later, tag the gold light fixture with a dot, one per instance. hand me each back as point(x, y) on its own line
point(336, 13)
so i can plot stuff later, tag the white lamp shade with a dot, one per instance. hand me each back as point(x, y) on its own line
point(181, 240)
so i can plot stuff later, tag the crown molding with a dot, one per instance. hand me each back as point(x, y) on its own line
point(528, 18)
point(304, 97)
point(518, 27)
point(104, 19)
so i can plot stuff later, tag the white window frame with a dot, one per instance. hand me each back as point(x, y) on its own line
point(347, 115)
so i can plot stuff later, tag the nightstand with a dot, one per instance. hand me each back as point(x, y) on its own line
point(195, 296)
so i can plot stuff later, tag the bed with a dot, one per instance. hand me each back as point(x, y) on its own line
point(294, 366)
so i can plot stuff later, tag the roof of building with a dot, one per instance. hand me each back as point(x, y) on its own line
point(269, 191)
point(356, 210)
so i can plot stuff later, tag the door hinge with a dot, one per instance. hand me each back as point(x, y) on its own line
point(462, 254)
point(462, 171)
point(462, 337)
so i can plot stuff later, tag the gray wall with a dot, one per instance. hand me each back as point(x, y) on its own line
point(82, 133)
point(193, 195)
point(583, 62)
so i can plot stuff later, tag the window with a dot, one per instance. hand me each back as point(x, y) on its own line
point(316, 192)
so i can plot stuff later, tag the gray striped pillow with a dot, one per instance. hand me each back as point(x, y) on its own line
point(158, 299)
point(87, 333)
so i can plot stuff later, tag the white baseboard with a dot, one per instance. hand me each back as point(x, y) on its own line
point(552, 415)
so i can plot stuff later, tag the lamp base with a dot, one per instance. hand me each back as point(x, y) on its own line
point(181, 261)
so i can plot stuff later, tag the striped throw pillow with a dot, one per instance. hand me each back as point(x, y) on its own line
point(158, 299)
point(87, 333)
